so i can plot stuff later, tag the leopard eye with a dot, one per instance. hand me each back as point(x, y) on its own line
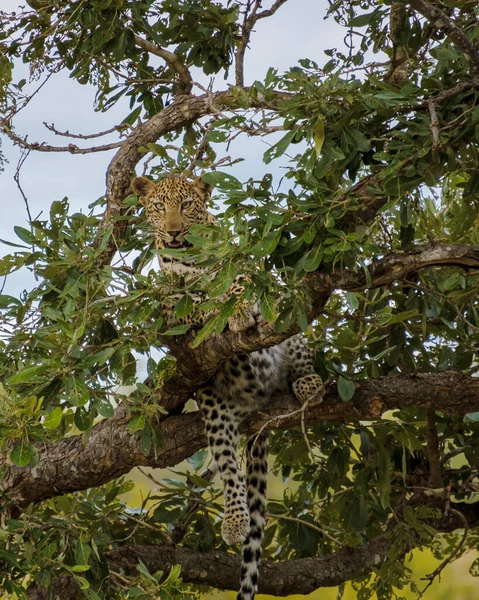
point(186, 204)
point(160, 206)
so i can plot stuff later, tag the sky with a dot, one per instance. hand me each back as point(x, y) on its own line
point(297, 30)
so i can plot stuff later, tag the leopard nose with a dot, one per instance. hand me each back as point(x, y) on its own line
point(175, 232)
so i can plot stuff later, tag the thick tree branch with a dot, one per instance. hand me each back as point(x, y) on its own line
point(397, 266)
point(110, 451)
point(441, 21)
point(300, 576)
point(186, 82)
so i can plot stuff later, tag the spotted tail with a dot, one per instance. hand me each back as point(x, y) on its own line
point(257, 469)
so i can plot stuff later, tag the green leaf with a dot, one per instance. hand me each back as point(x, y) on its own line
point(319, 135)
point(82, 553)
point(104, 408)
point(12, 262)
point(266, 307)
point(352, 300)
point(198, 459)
point(285, 319)
point(53, 419)
point(24, 234)
point(346, 388)
point(205, 332)
point(27, 374)
point(6, 301)
point(143, 569)
point(22, 453)
point(133, 116)
point(362, 20)
point(311, 260)
point(137, 423)
point(223, 280)
point(279, 148)
point(77, 568)
point(266, 246)
point(178, 329)
point(184, 306)
point(223, 181)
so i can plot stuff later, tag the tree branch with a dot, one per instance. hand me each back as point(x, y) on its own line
point(71, 464)
point(248, 23)
point(301, 576)
point(111, 451)
point(173, 60)
point(42, 147)
point(440, 20)
point(184, 111)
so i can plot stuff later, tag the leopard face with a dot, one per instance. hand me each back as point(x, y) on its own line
point(172, 206)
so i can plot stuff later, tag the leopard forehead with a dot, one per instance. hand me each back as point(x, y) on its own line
point(172, 191)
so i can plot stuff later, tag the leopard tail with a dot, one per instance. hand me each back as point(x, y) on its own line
point(257, 469)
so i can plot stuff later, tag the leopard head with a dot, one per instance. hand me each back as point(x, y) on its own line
point(172, 206)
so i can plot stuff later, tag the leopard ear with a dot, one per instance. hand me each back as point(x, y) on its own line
point(204, 189)
point(142, 187)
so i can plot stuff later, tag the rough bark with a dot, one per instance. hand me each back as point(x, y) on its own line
point(111, 451)
point(301, 576)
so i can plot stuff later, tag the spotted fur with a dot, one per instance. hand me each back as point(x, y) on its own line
point(240, 386)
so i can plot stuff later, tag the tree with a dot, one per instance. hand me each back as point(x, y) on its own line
point(362, 232)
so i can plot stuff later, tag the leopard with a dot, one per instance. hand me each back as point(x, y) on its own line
point(241, 385)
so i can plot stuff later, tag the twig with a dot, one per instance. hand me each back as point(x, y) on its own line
point(42, 147)
point(181, 526)
point(444, 297)
point(310, 525)
point(164, 534)
point(435, 478)
point(116, 128)
point(16, 178)
point(436, 139)
point(453, 554)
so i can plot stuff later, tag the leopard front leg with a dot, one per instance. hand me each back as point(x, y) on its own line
point(221, 426)
point(307, 385)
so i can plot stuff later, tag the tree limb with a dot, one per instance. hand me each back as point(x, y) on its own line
point(301, 576)
point(173, 60)
point(440, 20)
point(110, 451)
point(248, 23)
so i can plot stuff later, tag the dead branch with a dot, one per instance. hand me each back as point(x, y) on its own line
point(42, 147)
point(81, 136)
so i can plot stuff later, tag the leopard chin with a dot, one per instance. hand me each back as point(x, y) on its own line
point(178, 245)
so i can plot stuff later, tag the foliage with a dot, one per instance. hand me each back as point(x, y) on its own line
point(70, 343)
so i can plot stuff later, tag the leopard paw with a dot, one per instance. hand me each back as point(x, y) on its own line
point(309, 388)
point(235, 527)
